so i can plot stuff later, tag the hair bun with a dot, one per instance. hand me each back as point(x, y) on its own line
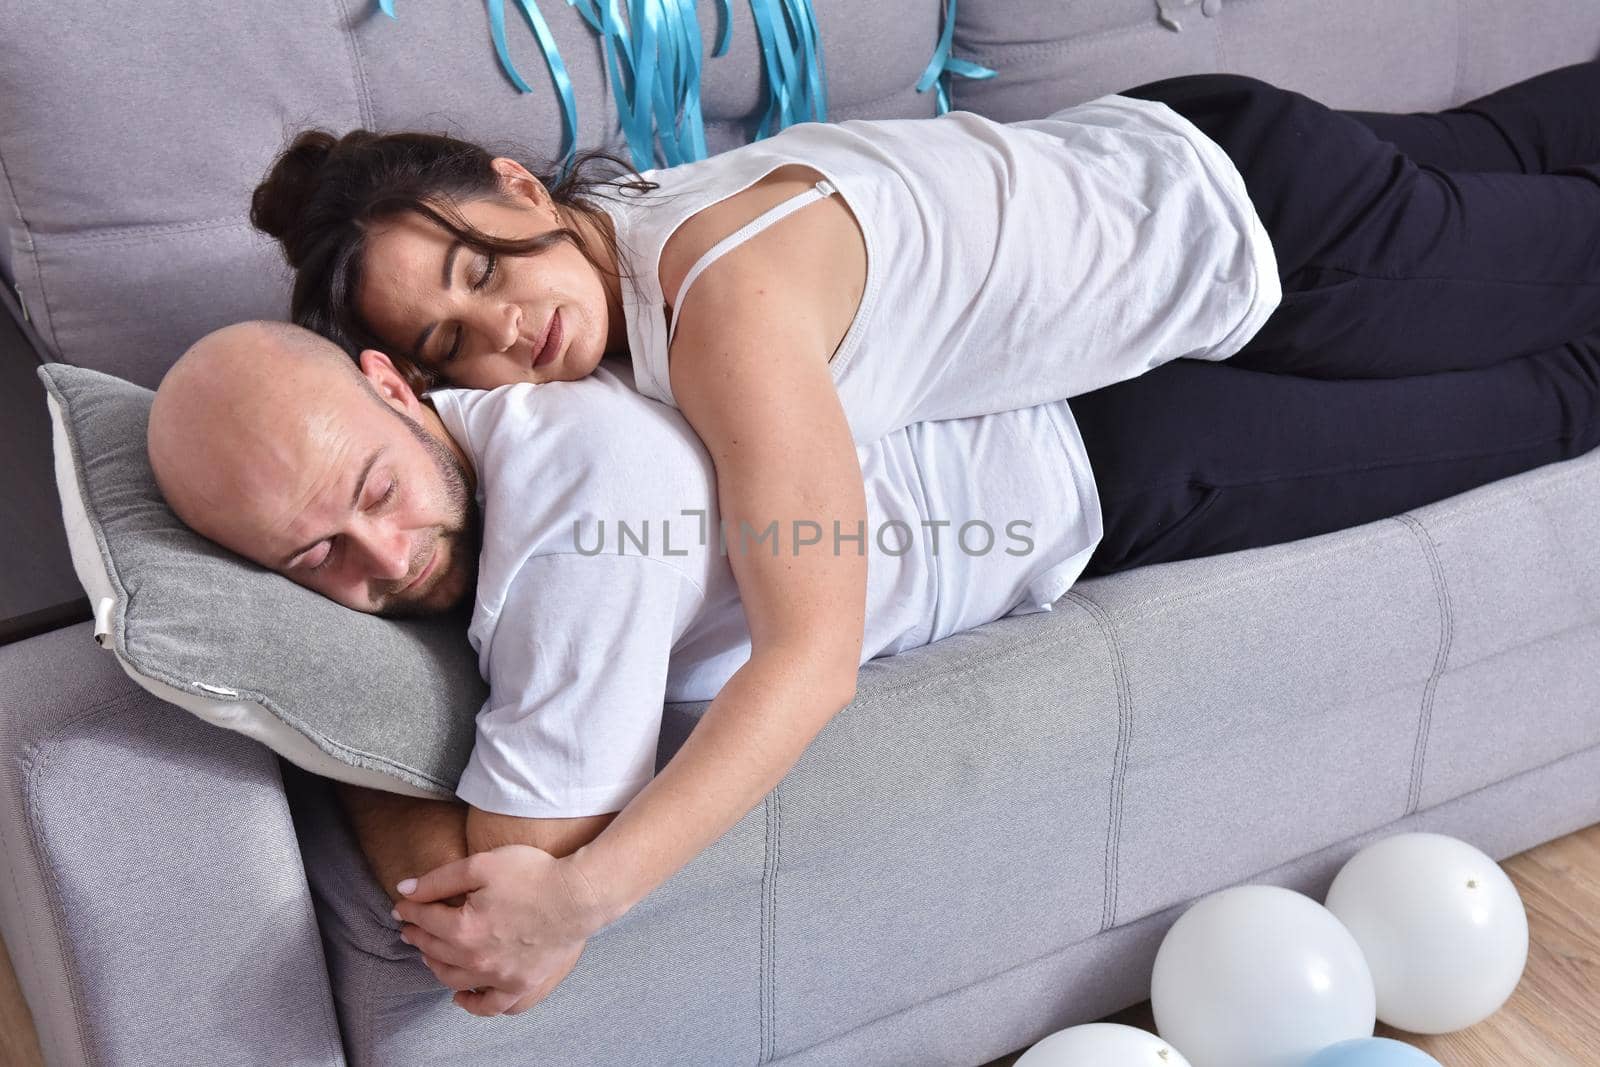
point(278, 205)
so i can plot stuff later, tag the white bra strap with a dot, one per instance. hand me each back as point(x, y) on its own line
point(744, 233)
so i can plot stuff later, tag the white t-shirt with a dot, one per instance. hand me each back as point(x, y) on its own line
point(1008, 264)
point(584, 628)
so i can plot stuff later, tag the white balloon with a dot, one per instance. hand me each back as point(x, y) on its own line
point(1102, 1045)
point(1259, 976)
point(1443, 929)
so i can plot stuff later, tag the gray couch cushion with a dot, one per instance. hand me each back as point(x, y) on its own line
point(1374, 55)
point(387, 704)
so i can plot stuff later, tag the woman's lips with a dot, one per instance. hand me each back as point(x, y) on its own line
point(552, 341)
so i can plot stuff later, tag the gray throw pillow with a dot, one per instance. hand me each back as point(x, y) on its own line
point(383, 703)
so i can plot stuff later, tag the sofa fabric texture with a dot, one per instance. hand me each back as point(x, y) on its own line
point(988, 844)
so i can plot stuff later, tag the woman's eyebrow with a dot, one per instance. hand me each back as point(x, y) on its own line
point(444, 281)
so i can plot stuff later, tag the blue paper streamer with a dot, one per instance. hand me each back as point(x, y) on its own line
point(944, 63)
point(790, 53)
point(654, 61)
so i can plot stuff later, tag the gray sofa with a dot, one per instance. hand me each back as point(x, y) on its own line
point(990, 842)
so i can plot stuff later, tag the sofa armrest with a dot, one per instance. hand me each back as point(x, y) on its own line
point(153, 898)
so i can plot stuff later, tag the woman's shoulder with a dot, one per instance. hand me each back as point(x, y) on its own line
point(819, 252)
point(700, 231)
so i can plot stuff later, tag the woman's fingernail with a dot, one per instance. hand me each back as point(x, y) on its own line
point(407, 886)
point(396, 913)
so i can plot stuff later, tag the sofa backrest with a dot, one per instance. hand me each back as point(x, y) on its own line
point(132, 134)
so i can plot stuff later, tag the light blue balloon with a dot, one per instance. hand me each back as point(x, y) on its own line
point(1372, 1052)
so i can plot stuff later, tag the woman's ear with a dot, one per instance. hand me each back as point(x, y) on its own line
point(517, 181)
point(390, 385)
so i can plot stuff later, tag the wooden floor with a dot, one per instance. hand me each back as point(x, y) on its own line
point(1552, 1020)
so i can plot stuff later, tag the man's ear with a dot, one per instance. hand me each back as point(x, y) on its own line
point(389, 383)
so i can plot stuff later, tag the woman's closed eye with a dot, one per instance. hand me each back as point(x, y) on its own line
point(486, 271)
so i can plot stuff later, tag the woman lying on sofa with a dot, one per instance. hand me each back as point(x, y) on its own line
point(1273, 320)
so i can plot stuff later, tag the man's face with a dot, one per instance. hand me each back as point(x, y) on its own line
point(381, 519)
point(267, 440)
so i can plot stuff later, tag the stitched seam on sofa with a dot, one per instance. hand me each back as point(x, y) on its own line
point(131, 234)
point(1581, 470)
point(1419, 753)
point(366, 1013)
point(33, 258)
point(777, 865)
point(1119, 763)
point(983, 659)
point(357, 68)
point(834, 107)
point(35, 757)
point(1218, 48)
point(1256, 574)
point(1248, 879)
point(286, 824)
point(769, 904)
point(864, 107)
point(1461, 35)
point(1506, 650)
point(1010, 54)
point(1259, 574)
point(1344, 842)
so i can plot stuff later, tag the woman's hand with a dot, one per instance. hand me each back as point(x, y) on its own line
point(521, 928)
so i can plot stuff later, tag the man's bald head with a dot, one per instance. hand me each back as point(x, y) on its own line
point(272, 442)
point(233, 385)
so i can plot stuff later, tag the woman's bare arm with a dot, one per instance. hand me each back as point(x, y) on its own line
point(750, 374)
point(758, 391)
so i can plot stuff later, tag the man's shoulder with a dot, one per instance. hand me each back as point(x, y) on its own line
point(553, 455)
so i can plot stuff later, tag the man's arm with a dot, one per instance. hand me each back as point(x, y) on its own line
point(403, 837)
point(559, 837)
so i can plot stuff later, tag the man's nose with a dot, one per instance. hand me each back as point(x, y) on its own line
point(387, 551)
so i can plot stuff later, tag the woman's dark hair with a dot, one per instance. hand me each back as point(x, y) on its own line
point(324, 194)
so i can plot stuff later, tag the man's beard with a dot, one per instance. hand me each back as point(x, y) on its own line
point(463, 534)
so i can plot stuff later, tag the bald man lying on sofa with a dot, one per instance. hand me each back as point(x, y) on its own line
point(273, 443)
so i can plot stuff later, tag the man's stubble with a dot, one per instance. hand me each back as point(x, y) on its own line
point(464, 534)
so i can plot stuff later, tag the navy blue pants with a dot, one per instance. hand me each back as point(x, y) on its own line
point(1440, 327)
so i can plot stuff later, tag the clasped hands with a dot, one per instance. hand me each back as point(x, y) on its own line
point(522, 923)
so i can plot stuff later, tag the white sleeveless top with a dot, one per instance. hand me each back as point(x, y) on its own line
point(1008, 264)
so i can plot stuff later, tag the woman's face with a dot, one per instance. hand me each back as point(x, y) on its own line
point(478, 320)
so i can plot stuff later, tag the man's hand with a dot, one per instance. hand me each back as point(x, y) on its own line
point(525, 920)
